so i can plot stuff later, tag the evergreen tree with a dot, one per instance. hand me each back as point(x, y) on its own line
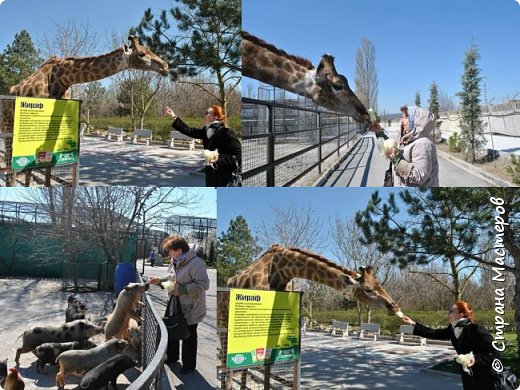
point(433, 107)
point(444, 224)
point(447, 224)
point(472, 127)
point(236, 249)
point(18, 61)
point(209, 42)
point(417, 99)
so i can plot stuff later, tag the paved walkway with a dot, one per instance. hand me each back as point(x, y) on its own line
point(365, 167)
point(336, 363)
point(110, 163)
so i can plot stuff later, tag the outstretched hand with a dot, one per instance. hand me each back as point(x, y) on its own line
point(407, 320)
point(375, 127)
point(169, 111)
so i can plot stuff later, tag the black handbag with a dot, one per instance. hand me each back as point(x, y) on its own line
point(506, 380)
point(176, 324)
point(236, 175)
point(389, 177)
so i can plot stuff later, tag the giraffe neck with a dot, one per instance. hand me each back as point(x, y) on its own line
point(276, 267)
point(290, 263)
point(265, 63)
point(86, 69)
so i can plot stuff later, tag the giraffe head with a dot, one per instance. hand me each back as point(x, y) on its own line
point(336, 94)
point(142, 58)
point(370, 291)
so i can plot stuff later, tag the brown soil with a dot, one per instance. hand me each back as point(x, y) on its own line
point(497, 167)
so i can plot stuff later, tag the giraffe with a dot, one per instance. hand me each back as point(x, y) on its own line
point(279, 265)
point(57, 75)
point(323, 84)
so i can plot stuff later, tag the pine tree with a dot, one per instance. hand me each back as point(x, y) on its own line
point(433, 107)
point(472, 127)
point(417, 99)
point(209, 42)
point(18, 61)
point(445, 224)
point(236, 249)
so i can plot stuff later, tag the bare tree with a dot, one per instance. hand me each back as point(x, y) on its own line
point(353, 254)
point(367, 83)
point(71, 39)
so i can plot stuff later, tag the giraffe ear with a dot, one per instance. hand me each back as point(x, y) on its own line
point(127, 49)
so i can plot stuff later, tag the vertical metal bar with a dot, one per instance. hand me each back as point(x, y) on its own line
point(270, 146)
point(320, 141)
point(338, 123)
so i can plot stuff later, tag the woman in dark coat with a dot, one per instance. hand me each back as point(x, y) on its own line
point(466, 337)
point(215, 136)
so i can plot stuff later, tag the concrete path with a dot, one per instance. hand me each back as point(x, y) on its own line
point(365, 167)
point(110, 163)
point(347, 363)
point(205, 377)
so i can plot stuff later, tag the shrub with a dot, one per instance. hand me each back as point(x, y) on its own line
point(455, 143)
point(160, 126)
point(514, 169)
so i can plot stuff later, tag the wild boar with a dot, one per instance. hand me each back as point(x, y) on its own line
point(127, 303)
point(82, 361)
point(73, 331)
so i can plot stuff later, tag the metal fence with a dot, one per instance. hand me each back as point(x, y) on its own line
point(153, 347)
point(282, 143)
point(88, 276)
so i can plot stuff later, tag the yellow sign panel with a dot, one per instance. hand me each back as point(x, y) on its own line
point(45, 132)
point(264, 327)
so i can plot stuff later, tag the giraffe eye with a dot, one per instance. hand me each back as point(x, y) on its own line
point(368, 289)
point(141, 54)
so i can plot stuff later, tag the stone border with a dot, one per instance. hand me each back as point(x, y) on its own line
point(494, 181)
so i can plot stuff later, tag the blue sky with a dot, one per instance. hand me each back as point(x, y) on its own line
point(416, 42)
point(207, 206)
point(104, 17)
point(257, 204)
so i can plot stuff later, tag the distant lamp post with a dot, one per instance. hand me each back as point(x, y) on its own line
point(488, 106)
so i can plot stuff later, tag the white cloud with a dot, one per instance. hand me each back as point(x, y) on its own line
point(1, 1)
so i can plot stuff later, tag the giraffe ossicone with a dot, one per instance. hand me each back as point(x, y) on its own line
point(323, 84)
point(57, 75)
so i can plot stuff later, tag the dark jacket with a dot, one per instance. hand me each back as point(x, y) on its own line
point(229, 149)
point(474, 338)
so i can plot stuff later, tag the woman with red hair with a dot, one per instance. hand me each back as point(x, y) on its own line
point(224, 156)
point(466, 337)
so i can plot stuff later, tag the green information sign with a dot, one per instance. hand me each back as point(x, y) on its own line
point(45, 132)
point(264, 327)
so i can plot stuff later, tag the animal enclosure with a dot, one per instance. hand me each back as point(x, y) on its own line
point(283, 142)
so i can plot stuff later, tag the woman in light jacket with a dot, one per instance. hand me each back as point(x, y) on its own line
point(191, 282)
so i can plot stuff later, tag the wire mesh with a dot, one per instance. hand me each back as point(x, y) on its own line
point(282, 142)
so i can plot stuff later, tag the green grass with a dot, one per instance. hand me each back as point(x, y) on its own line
point(390, 324)
point(160, 126)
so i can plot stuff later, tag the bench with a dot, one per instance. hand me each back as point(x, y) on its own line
point(142, 134)
point(177, 135)
point(406, 331)
point(115, 132)
point(341, 327)
point(375, 329)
